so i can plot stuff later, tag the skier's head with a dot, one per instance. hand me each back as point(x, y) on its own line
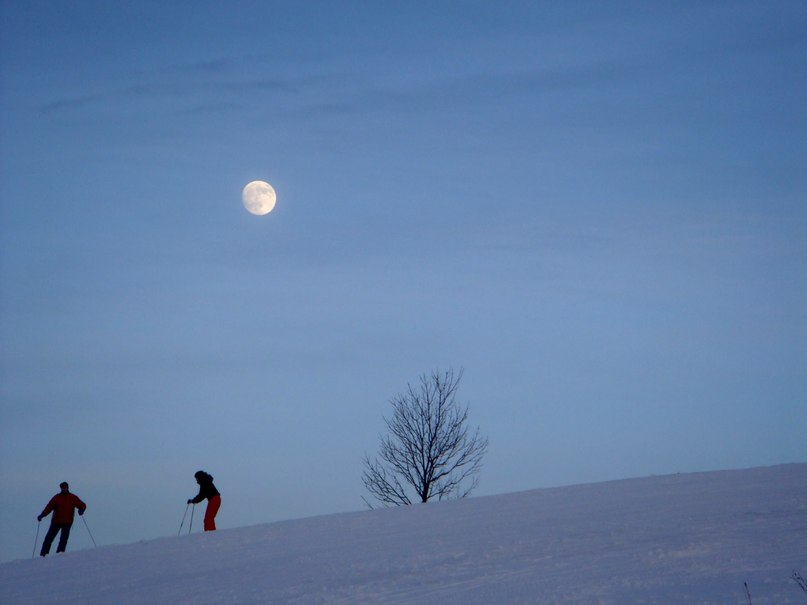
point(63, 485)
point(199, 475)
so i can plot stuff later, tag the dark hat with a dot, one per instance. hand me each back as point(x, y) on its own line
point(64, 485)
point(198, 474)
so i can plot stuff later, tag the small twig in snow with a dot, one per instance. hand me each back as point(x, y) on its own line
point(799, 579)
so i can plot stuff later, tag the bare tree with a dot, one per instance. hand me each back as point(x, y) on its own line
point(428, 448)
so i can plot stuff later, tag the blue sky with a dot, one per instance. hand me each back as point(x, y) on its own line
point(596, 209)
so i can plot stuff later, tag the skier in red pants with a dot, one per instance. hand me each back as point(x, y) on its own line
point(209, 491)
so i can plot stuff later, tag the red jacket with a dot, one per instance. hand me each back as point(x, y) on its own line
point(63, 506)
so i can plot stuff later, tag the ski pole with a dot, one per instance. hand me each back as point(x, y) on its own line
point(183, 518)
point(190, 527)
point(33, 553)
point(88, 531)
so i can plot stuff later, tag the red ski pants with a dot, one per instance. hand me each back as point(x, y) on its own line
point(213, 505)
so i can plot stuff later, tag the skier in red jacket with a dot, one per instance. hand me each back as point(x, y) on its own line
point(63, 506)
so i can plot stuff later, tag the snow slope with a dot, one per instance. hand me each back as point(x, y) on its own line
point(668, 540)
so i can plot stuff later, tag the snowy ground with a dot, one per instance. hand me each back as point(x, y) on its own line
point(667, 540)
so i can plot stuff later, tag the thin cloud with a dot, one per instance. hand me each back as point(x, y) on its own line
point(72, 103)
point(219, 92)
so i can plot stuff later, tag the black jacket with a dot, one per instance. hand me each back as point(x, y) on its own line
point(206, 489)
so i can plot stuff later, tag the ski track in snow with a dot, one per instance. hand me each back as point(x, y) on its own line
point(665, 540)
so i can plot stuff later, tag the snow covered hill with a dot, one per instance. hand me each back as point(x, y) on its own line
point(668, 540)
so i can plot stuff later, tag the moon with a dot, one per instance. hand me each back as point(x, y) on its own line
point(259, 197)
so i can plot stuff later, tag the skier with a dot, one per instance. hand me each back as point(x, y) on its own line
point(63, 506)
point(209, 491)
